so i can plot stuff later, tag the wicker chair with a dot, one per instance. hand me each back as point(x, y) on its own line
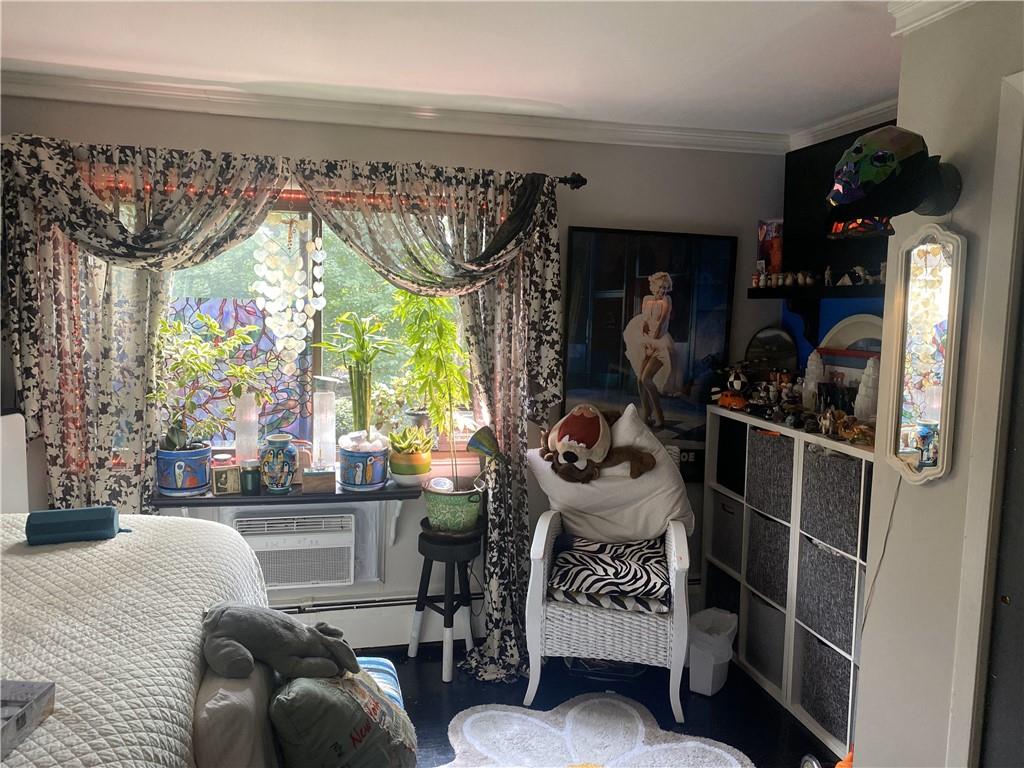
point(565, 629)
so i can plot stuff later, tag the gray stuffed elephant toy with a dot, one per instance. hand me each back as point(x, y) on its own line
point(239, 635)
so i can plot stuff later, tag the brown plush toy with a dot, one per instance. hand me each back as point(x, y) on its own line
point(579, 446)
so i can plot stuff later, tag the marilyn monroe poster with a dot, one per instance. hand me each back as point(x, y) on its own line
point(648, 323)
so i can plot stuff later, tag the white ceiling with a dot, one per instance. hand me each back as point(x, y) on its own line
point(778, 67)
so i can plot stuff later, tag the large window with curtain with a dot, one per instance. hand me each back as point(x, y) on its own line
point(291, 291)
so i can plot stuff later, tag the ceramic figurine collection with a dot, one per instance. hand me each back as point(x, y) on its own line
point(761, 278)
point(817, 403)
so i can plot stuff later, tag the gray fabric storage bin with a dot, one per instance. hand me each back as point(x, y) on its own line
point(727, 531)
point(765, 638)
point(825, 593)
point(769, 473)
point(824, 684)
point(768, 557)
point(830, 498)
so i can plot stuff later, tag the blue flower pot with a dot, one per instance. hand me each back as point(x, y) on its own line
point(363, 470)
point(183, 473)
point(278, 462)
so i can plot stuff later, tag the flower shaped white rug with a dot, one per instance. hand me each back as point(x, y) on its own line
point(596, 730)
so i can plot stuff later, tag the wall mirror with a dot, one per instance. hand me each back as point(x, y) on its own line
point(930, 286)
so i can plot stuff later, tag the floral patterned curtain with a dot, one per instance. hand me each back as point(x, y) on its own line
point(90, 233)
point(491, 238)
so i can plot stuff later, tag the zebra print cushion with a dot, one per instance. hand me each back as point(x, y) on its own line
point(630, 569)
point(615, 602)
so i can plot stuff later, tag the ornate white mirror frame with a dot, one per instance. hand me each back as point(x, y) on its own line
point(923, 454)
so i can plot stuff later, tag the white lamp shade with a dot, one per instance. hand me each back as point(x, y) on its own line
point(247, 428)
point(324, 430)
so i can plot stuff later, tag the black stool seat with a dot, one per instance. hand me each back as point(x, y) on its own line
point(456, 551)
point(445, 547)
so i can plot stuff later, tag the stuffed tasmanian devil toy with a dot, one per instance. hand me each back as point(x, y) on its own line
point(579, 446)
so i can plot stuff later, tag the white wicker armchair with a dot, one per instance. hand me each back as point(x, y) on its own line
point(566, 629)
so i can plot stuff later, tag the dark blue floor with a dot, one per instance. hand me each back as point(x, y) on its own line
point(741, 714)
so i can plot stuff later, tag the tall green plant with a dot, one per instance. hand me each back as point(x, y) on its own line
point(437, 369)
point(359, 341)
point(197, 379)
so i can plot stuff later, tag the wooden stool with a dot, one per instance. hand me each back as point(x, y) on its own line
point(456, 551)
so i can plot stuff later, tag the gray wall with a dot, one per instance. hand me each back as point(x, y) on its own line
point(949, 92)
point(629, 187)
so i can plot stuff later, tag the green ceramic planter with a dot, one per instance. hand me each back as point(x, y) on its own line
point(454, 511)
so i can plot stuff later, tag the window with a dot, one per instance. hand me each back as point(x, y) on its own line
point(279, 282)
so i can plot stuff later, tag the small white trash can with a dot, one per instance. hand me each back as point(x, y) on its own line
point(711, 635)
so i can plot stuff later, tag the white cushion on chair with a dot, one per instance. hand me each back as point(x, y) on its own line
point(616, 508)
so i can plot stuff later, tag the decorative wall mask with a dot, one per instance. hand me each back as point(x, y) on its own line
point(885, 173)
point(922, 385)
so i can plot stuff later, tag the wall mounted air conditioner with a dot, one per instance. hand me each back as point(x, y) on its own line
point(304, 550)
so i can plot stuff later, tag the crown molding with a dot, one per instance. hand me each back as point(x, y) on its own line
point(911, 15)
point(848, 123)
point(187, 98)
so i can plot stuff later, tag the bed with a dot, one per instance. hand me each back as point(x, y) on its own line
point(116, 625)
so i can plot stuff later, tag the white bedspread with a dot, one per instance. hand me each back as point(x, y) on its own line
point(117, 626)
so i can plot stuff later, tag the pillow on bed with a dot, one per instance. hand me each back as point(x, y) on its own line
point(232, 726)
point(616, 508)
point(341, 721)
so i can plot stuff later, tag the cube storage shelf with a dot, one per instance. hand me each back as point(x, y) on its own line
point(785, 543)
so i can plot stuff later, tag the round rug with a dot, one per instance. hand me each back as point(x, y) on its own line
point(596, 730)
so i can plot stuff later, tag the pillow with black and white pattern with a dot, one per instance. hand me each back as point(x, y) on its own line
point(633, 569)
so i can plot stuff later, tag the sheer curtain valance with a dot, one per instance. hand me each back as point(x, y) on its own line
point(91, 233)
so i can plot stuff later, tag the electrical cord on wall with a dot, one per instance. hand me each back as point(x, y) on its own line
point(473, 577)
point(881, 557)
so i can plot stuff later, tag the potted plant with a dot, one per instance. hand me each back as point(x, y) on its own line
point(195, 388)
point(436, 378)
point(363, 452)
point(410, 455)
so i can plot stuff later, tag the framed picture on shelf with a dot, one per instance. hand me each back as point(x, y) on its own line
point(226, 480)
point(647, 322)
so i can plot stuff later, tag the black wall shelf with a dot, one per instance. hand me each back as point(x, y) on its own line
point(816, 292)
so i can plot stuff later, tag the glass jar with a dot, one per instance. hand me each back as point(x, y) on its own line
point(250, 469)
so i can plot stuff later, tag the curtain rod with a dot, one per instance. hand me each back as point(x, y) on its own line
point(574, 180)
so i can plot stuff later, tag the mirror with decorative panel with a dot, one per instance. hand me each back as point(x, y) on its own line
point(929, 283)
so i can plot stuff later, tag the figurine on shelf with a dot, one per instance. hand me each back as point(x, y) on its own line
point(828, 276)
point(790, 279)
point(734, 396)
point(866, 403)
point(814, 376)
point(755, 280)
point(827, 422)
point(811, 425)
point(763, 281)
point(860, 276)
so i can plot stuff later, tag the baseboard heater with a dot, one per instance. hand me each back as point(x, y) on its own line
point(357, 604)
point(303, 550)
